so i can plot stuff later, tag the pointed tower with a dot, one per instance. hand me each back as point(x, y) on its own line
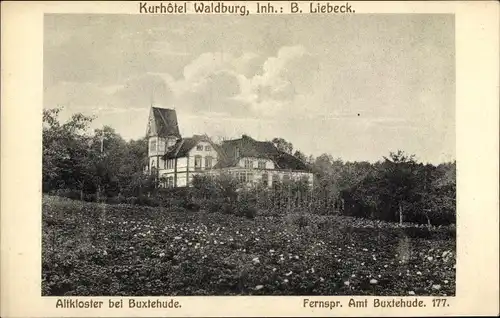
point(162, 133)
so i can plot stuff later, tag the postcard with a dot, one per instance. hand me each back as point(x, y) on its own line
point(249, 158)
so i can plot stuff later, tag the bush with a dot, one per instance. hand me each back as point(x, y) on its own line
point(191, 206)
point(68, 193)
point(269, 213)
point(130, 200)
point(250, 212)
point(227, 208)
point(247, 205)
point(299, 220)
point(91, 197)
point(214, 206)
point(119, 199)
point(147, 201)
point(417, 232)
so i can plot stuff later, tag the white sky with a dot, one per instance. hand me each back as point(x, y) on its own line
point(355, 87)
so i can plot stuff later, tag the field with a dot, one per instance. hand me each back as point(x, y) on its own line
point(124, 250)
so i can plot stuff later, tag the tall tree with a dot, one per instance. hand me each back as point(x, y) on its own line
point(65, 150)
point(283, 145)
point(399, 181)
point(301, 156)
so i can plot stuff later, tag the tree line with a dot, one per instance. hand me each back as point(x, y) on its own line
point(100, 165)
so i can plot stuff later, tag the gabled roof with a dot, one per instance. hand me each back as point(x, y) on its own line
point(165, 122)
point(249, 147)
point(184, 146)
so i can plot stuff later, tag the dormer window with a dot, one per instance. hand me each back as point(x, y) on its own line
point(236, 152)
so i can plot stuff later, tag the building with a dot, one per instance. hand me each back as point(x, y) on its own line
point(177, 160)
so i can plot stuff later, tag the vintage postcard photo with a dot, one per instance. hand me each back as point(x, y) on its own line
point(249, 149)
point(186, 159)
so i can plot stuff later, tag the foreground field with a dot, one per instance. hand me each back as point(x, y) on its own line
point(122, 250)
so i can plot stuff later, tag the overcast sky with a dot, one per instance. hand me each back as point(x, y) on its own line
point(355, 87)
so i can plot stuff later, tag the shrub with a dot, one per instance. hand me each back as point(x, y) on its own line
point(214, 206)
point(417, 232)
point(325, 224)
point(130, 200)
point(227, 208)
point(119, 199)
point(68, 193)
point(299, 220)
point(191, 206)
point(147, 201)
point(250, 212)
point(90, 197)
point(269, 213)
point(247, 205)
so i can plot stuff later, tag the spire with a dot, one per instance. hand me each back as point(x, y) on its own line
point(165, 122)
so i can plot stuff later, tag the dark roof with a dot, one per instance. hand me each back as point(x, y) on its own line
point(249, 147)
point(184, 145)
point(166, 122)
point(287, 161)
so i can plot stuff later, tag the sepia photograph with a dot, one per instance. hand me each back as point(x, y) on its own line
point(194, 155)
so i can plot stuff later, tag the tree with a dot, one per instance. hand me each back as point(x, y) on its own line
point(109, 154)
point(65, 151)
point(101, 163)
point(399, 181)
point(323, 165)
point(283, 145)
point(438, 193)
point(299, 155)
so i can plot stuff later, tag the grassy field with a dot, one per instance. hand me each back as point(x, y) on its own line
point(123, 250)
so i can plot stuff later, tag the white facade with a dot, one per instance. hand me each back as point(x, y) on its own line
point(176, 161)
point(178, 172)
point(157, 147)
point(265, 177)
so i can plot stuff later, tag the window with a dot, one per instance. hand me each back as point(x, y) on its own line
point(199, 147)
point(208, 162)
point(242, 177)
point(249, 177)
point(169, 164)
point(236, 152)
point(161, 145)
point(208, 148)
point(152, 145)
point(248, 163)
point(197, 162)
point(265, 179)
point(262, 164)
